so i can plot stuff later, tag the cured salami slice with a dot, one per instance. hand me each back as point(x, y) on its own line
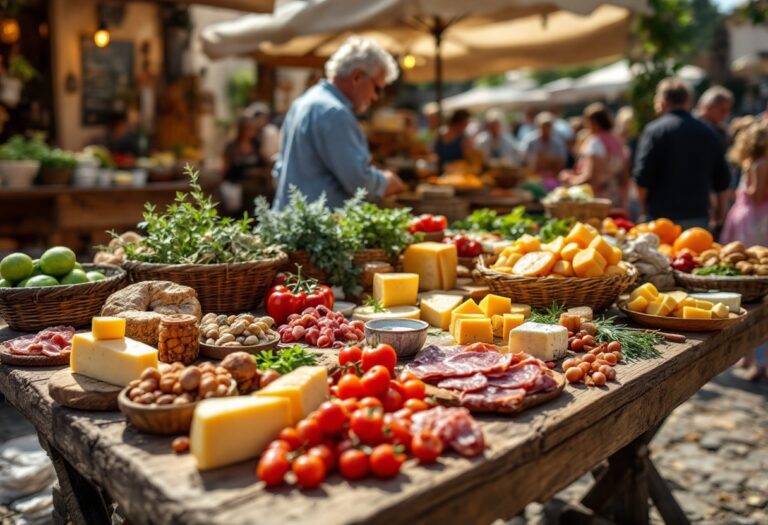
point(467, 363)
point(51, 342)
point(455, 426)
point(524, 376)
point(465, 384)
point(544, 383)
point(430, 363)
point(494, 399)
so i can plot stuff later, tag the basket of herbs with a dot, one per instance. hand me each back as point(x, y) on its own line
point(229, 267)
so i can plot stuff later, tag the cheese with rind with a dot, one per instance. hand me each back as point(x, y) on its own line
point(436, 309)
point(731, 299)
point(545, 341)
point(395, 289)
point(369, 313)
point(228, 430)
point(115, 361)
point(305, 389)
point(434, 262)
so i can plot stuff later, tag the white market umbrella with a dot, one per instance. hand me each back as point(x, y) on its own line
point(458, 38)
point(503, 97)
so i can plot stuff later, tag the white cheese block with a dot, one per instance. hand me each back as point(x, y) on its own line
point(231, 429)
point(115, 361)
point(436, 309)
point(730, 299)
point(305, 389)
point(545, 341)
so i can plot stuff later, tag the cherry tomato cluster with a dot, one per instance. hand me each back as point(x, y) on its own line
point(466, 246)
point(321, 327)
point(684, 263)
point(293, 293)
point(428, 223)
point(365, 430)
point(596, 366)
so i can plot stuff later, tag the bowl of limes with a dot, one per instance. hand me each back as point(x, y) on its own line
point(54, 289)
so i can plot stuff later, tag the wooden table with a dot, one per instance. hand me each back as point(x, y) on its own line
point(531, 456)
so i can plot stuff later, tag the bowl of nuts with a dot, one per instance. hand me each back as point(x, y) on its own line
point(220, 335)
point(163, 399)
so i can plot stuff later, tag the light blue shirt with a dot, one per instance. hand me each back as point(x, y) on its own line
point(323, 149)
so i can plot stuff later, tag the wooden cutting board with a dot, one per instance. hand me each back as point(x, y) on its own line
point(81, 392)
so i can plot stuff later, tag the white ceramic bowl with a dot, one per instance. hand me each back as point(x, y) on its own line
point(19, 173)
point(406, 336)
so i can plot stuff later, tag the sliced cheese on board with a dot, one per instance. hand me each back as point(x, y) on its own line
point(434, 262)
point(730, 299)
point(368, 313)
point(395, 289)
point(115, 361)
point(436, 309)
point(108, 328)
point(305, 389)
point(545, 341)
point(232, 429)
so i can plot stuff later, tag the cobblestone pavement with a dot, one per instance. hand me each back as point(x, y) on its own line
point(712, 450)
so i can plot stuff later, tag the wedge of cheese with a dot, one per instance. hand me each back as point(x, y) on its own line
point(395, 289)
point(434, 262)
point(469, 307)
point(108, 328)
point(305, 389)
point(115, 361)
point(495, 305)
point(473, 330)
point(545, 341)
point(232, 429)
point(436, 309)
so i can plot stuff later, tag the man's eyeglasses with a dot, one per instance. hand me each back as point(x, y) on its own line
point(379, 89)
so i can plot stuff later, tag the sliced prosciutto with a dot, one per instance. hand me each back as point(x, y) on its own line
point(467, 363)
point(524, 376)
point(429, 363)
point(465, 384)
point(494, 399)
point(51, 342)
point(455, 426)
point(545, 383)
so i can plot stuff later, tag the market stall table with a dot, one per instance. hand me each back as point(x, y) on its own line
point(99, 458)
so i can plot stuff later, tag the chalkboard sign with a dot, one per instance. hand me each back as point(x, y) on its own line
point(107, 79)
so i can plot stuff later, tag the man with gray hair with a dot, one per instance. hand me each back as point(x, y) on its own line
point(713, 109)
point(323, 148)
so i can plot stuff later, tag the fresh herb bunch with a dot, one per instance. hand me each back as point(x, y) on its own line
point(285, 360)
point(19, 148)
point(375, 305)
point(549, 316)
point(192, 232)
point(514, 224)
point(374, 227)
point(727, 270)
point(58, 159)
point(310, 227)
point(635, 344)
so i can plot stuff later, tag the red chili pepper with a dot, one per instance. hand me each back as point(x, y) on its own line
point(293, 293)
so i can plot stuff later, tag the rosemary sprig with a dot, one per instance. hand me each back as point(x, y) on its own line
point(635, 344)
point(374, 304)
point(549, 316)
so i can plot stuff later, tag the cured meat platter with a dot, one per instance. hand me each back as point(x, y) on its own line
point(49, 347)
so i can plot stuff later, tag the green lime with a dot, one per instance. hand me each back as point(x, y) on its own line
point(41, 280)
point(95, 276)
point(5, 283)
point(78, 266)
point(23, 284)
point(16, 267)
point(75, 277)
point(36, 270)
point(58, 261)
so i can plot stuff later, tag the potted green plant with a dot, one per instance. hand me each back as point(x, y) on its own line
point(18, 73)
point(56, 167)
point(20, 161)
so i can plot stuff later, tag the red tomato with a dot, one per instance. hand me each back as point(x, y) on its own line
point(351, 354)
point(385, 462)
point(376, 381)
point(342, 446)
point(426, 446)
point(392, 401)
point(309, 432)
point(273, 467)
point(350, 405)
point(370, 402)
point(290, 436)
point(441, 222)
point(325, 453)
point(398, 387)
point(354, 464)
point(309, 471)
point(416, 405)
point(331, 417)
point(414, 389)
point(405, 376)
point(279, 444)
point(382, 354)
point(368, 425)
point(398, 432)
point(350, 386)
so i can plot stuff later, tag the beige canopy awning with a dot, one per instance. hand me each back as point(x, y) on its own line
point(475, 38)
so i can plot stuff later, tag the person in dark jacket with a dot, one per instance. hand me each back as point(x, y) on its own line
point(679, 162)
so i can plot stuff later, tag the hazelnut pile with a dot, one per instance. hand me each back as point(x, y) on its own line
point(236, 330)
point(177, 385)
point(243, 369)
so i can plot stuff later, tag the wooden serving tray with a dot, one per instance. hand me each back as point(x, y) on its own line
point(84, 393)
point(683, 325)
point(220, 352)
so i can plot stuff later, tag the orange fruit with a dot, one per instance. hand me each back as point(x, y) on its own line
point(666, 249)
point(694, 239)
point(535, 264)
point(667, 230)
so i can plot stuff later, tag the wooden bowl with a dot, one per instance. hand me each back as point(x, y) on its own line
point(161, 419)
point(683, 325)
point(406, 336)
point(220, 352)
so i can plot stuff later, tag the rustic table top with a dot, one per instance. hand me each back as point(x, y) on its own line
point(530, 457)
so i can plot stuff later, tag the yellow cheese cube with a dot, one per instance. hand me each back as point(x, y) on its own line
point(582, 234)
point(706, 305)
point(692, 312)
point(616, 255)
point(495, 304)
point(638, 304)
point(305, 389)
point(563, 267)
point(476, 330)
point(436, 309)
point(678, 312)
point(435, 263)
point(720, 311)
point(657, 308)
point(502, 324)
point(468, 307)
point(588, 263)
point(615, 270)
point(508, 260)
point(601, 246)
point(647, 290)
point(688, 301)
point(679, 296)
point(555, 246)
point(569, 251)
point(518, 308)
point(108, 328)
point(227, 430)
point(455, 316)
point(115, 361)
point(395, 289)
point(528, 243)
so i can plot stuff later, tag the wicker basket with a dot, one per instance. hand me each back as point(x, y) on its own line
point(751, 287)
point(221, 288)
point(32, 309)
point(308, 269)
point(540, 292)
point(582, 211)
